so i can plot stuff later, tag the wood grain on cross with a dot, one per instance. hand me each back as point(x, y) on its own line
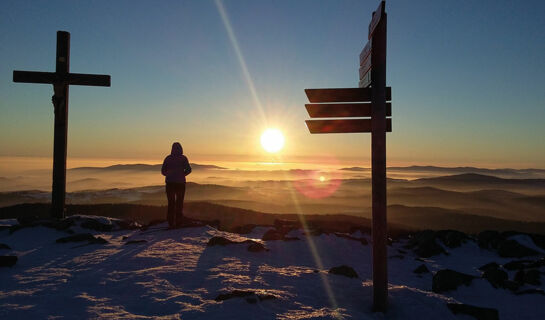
point(61, 79)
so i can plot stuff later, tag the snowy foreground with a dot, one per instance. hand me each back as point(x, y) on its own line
point(173, 274)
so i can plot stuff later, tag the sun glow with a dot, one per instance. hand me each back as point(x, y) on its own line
point(272, 140)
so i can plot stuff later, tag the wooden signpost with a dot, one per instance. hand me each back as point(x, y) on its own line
point(369, 100)
point(61, 79)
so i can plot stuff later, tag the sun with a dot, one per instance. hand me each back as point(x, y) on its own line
point(272, 140)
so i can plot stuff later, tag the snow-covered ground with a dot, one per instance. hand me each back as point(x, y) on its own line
point(175, 275)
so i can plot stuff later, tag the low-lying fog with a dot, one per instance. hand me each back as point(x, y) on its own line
point(499, 193)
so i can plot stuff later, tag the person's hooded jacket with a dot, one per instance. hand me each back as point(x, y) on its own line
point(176, 166)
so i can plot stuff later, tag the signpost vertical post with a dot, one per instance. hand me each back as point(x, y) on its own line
point(354, 103)
point(377, 36)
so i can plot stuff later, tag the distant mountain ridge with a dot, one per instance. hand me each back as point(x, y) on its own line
point(454, 170)
point(142, 167)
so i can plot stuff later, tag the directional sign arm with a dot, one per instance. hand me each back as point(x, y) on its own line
point(34, 77)
point(343, 95)
point(81, 79)
point(343, 126)
point(342, 110)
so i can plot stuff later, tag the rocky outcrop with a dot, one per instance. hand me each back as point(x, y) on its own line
point(421, 269)
point(8, 261)
point(250, 295)
point(136, 242)
point(81, 237)
point(244, 229)
point(446, 280)
point(344, 270)
point(254, 246)
point(275, 234)
point(513, 249)
point(478, 313)
point(424, 245)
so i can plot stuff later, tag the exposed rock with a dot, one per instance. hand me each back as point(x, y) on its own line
point(96, 225)
point(257, 247)
point(445, 280)
point(344, 271)
point(478, 313)
point(511, 285)
point(4, 246)
point(82, 237)
point(488, 266)
point(489, 239)
point(539, 240)
point(529, 276)
point(127, 225)
point(219, 241)
point(452, 238)
point(251, 296)
point(136, 241)
point(424, 245)
point(273, 234)
point(518, 264)
point(421, 269)
point(347, 236)
point(530, 291)
point(496, 277)
point(513, 249)
point(8, 261)
point(245, 229)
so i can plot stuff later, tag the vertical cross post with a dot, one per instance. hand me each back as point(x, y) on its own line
point(378, 165)
point(60, 102)
point(61, 79)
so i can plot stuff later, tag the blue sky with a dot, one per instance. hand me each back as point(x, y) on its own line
point(467, 78)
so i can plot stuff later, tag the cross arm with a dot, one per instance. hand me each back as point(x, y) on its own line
point(34, 77)
point(81, 79)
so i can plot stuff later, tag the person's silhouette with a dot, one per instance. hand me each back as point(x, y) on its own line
point(175, 168)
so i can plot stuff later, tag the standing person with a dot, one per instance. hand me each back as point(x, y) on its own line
point(175, 168)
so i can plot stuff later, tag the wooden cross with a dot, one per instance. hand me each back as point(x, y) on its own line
point(61, 79)
point(354, 102)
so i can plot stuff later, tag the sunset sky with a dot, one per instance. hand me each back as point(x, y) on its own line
point(467, 78)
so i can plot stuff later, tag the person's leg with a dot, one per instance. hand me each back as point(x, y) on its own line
point(180, 191)
point(171, 197)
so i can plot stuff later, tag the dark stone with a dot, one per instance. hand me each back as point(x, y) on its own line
point(127, 225)
point(452, 238)
point(250, 295)
point(445, 280)
point(496, 277)
point(257, 247)
point(489, 239)
point(4, 246)
point(513, 249)
point(424, 245)
point(245, 229)
point(530, 291)
point(518, 264)
point(344, 271)
point(8, 261)
point(136, 241)
point(421, 269)
point(273, 234)
point(347, 236)
point(532, 277)
point(478, 313)
point(510, 285)
point(488, 266)
point(80, 237)
point(219, 241)
point(539, 240)
point(95, 225)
